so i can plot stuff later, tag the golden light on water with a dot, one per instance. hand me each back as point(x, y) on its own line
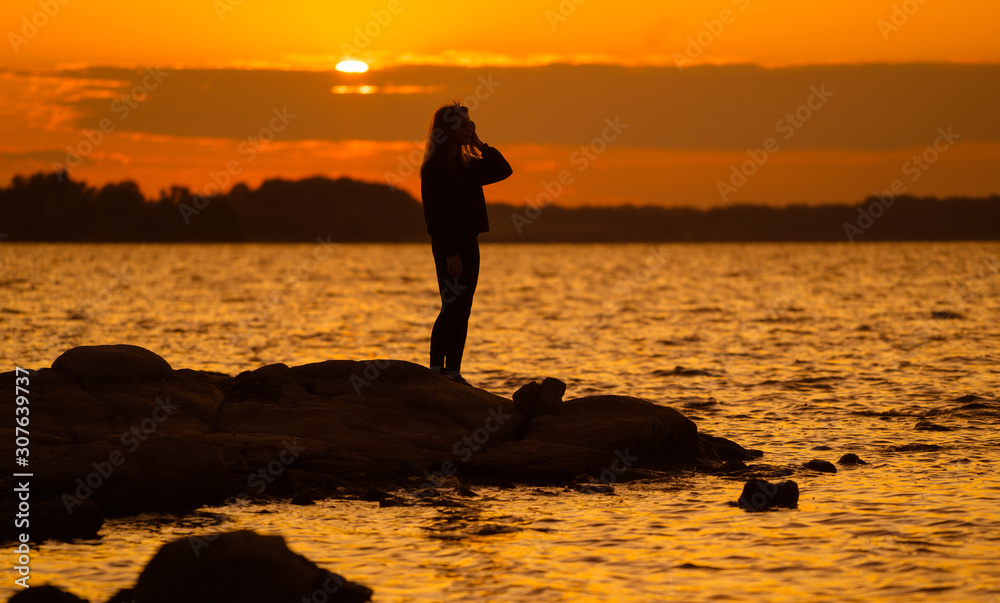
point(352, 66)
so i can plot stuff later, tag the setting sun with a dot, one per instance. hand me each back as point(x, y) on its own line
point(352, 66)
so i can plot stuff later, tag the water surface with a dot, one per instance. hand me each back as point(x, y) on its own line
point(790, 347)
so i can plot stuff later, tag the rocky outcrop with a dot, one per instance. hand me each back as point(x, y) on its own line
point(116, 431)
point(233, 566)
point(591, 435)
point(820, 466)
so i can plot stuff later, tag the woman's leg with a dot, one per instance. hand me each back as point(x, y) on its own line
point(451, 327)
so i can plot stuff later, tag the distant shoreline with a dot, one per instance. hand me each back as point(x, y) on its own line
point(51, 208)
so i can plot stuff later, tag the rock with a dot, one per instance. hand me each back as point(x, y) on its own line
point(45, 594)
point(535, 399)
point(929, 426)
point(702, 404)
point(237, 566)
point(715, 449)
point(733, 466)
point(821, 466)
point(968, 398)
point(270, 384)
point(162, 473)
point(759, 495)
point(374, 495)
point(50, 520)
point(596, 488)
point(602, 435)
point(117, 427)
point(119, 363)
point(681, 371)
point(524, 398)
point(946, 315)
point(394, 502)
point(851, 459)
point(912, 448)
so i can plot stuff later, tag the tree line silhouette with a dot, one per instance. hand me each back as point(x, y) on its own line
point(54, 207)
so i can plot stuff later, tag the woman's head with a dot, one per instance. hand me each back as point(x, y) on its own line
point(450, 136)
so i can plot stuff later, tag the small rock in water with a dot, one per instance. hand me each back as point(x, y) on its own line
point(304, 499)
point(373, 495)
point(732, 466)
point(759, 495)
point(237, 566)
point(491, 529)
point(820, 465)
point(851, 459)
point(928, 426)
point(913, 448)
point(946, 315)
point(594, 488)
point(685, 372)
point(392, 501)
point(446, 481)
point(821, 447)
point(967, 398)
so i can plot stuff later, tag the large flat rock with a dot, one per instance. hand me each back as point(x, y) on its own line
point(117, 426)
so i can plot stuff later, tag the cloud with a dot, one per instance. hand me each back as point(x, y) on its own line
point(732, 107)
point(42, 156)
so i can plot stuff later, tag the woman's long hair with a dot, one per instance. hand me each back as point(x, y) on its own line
point(446, 120)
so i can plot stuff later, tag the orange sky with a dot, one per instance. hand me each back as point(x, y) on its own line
point(689, 125)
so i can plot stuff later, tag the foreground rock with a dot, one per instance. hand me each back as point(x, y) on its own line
point(760, 495)
point(238, 566)
point(117, 427)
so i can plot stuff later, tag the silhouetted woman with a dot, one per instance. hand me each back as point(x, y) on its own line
point(456, 166)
